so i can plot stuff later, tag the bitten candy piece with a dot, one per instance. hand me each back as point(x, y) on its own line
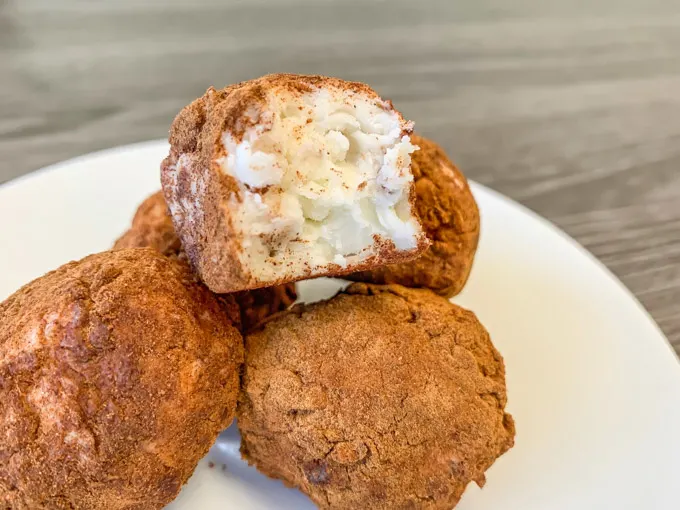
point(289, 177)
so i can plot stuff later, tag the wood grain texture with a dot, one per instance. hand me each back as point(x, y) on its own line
point(572, 108)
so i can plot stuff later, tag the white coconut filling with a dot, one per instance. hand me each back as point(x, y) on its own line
point(321, 176)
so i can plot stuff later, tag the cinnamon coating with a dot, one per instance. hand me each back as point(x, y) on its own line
point(117, 373)
point(382, 397)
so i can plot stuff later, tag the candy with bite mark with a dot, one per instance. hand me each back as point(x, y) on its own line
point(290, 177)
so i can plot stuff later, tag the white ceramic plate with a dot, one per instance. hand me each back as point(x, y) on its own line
point(593, 385)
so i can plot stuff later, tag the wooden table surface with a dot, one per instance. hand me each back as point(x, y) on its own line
point(571, 108)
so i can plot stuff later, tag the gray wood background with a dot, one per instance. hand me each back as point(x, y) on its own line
point(570, 107)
